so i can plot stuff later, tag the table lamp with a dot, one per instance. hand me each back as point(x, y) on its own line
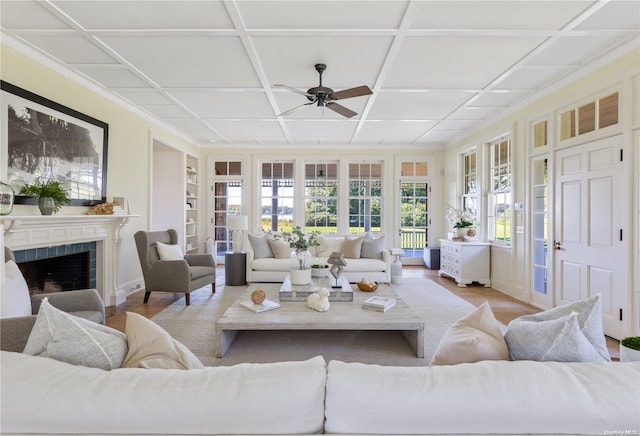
point(237, 224)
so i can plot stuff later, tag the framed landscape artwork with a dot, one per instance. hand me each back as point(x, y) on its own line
point(42, 138)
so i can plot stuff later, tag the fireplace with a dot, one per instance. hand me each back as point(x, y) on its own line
point(60, 268)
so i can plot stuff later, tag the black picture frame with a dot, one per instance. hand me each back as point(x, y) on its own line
point(42, 138)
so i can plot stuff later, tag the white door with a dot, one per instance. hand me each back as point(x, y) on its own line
point(590, 245)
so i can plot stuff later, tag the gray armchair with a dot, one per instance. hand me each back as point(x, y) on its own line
point(184, 276)
point(85, 303)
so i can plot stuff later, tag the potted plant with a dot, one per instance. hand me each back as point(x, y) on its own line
point(51, 194)
point(630, 349)
point(461, 220)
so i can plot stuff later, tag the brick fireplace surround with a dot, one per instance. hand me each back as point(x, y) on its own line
point(29, 232)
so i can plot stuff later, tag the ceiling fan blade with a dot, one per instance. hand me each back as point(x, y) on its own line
point(295, 108)
point(306, 94)
point(345, 112)
point(351, 92)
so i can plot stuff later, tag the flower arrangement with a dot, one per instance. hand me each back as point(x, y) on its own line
point(461, 218)
point(299, 241)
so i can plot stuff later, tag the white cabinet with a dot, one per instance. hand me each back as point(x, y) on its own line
point(191, 239)
point(466, 262)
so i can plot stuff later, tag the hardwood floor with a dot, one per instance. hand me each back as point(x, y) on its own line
point(504, 307)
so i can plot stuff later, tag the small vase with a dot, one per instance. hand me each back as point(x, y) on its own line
point(7, 195)
point(461, 232)
point(47, 205)
point(300, 267)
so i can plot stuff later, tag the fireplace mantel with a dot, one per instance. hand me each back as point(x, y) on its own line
point(35, 231)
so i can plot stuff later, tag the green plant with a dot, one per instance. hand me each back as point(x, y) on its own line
point(51, 189)
point(632, 342)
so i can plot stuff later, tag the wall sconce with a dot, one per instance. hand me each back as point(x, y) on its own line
point(237, 224)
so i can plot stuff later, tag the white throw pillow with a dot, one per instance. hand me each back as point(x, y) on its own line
point(351, 247)
point(150, 346)
point(169, 251)
point(372, 247)
point(61, 336)
point(280, 249)
point(329, 245)
point(14, 293)
point(260, 245)
point(589, 317)
point(474, 337)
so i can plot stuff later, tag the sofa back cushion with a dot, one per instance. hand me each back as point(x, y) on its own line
point(273, 398)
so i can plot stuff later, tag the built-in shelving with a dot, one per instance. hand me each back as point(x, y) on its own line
point(191, 229)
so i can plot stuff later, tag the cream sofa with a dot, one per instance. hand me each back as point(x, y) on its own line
point(45, 396)
point(372, 260)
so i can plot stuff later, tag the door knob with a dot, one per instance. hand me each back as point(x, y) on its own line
point(557, 245)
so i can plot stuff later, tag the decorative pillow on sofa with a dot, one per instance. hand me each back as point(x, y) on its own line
point(372, 247)
point(351, 247)
point(260, 245)
point(589, 319)
point(279, 248)
point(328, 245)
point(150, 346)
point(557, 340)
point(74, 340)
point(14, 293)
point(474, 337)
point(169, 251)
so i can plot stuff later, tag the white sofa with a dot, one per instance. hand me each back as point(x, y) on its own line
point(45, 396)
point(373, 261)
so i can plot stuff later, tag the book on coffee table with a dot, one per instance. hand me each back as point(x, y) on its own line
point(257, 308)
point(379, 304)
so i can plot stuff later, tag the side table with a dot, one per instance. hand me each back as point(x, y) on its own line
point(235, 269)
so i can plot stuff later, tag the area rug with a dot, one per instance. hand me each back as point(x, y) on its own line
point(194, 326)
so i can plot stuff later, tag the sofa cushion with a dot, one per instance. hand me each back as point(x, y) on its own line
point(490, 397)
point(240, 399)
point(589, 318)
point(351, 247)
point(260, 246)
point(169, 251)
point(557, 339)
point(14, 293)
point(476, 336)
point(279, 248)
point(150, 346)
point(364, 265)
point(75, 340)
point(372, 247)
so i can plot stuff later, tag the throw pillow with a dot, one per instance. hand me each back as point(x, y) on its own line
point(14, 293)
point(260, 245)
point(329, 245)
point(280, 249)
point(150, 346)
point(589, 319)
point(474, 337)
point(557, 339)
point(169, 251)
point(372, 247)
point(61, 336)
point(351, 247)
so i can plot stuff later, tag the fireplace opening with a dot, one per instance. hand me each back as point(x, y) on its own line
point(59, 273)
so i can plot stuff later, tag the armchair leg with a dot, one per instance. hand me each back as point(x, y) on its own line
point(146, 297)
point(187, 298)
point(213, 287)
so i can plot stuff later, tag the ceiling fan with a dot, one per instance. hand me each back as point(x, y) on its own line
point(324, 97)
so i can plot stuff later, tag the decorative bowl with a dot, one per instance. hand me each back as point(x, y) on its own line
point(366, 287)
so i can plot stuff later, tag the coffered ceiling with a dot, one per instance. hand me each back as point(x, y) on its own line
point(439, 70)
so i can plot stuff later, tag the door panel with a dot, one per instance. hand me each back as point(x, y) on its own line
point(589, 256)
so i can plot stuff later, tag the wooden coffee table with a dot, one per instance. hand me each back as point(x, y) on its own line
point(341, 316)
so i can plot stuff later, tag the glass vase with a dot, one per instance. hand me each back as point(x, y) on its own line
point(7, 195)
point(46, 205)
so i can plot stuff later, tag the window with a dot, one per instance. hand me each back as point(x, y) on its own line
point(469, 183)
point(365, 197)
point(321, 197)
point(540, 134)
point(227, 199)
point(276, 196)
point(593, 115)
point(499, 199)
point(414, 208)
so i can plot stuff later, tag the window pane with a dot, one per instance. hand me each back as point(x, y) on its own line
point(540, 134)
point(608, 111)
point(321, 198)
point(365, 191)
point(568, 125)
point(587, 118)
point(276, 201)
